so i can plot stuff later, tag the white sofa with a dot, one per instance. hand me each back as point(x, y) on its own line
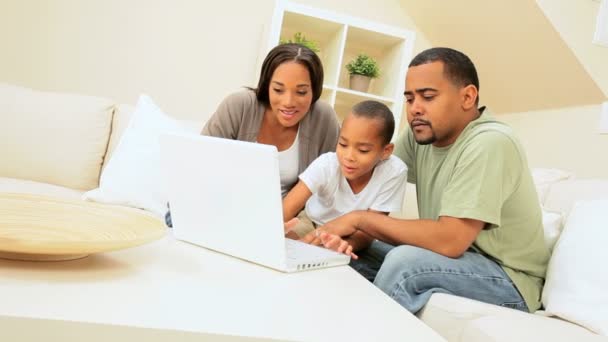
point(462, 319)
point(57, 144)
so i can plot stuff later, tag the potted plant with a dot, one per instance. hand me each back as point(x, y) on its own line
point(362, 69)
point(299, 38)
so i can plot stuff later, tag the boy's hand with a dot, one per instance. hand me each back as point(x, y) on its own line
point(291, 224)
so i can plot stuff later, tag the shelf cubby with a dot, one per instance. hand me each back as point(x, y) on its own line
point(340, 38)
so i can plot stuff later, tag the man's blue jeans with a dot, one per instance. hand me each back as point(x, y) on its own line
point(410, 275)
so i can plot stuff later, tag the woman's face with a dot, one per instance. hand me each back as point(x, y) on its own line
point(290, 93)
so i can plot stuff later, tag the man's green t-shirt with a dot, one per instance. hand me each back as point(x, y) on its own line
point(484, 175)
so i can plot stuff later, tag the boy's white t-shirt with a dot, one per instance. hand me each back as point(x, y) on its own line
point(332, 196)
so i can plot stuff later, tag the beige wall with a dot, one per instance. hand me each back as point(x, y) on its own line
point(186, 54)
point(575, 21)
point(566, 139)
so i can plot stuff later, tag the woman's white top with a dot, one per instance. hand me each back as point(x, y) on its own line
point(288, 165)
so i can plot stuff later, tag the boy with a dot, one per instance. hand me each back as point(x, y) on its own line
point(361, 175)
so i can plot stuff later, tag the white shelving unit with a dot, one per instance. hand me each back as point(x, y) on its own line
point(340, 38)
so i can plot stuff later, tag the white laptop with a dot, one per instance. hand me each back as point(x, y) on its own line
point(225, 195)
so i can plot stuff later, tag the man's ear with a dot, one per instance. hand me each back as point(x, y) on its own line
point(387, 151)
point(469, 97)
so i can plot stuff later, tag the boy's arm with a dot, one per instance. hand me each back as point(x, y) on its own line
point(295, 200)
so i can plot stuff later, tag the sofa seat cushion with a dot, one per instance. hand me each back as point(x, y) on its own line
point(532, 328)
point(21, 186)
point(451, 315)
point(55, 138)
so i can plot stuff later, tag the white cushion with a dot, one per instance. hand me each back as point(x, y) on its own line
point(21, 186)
point(576, 283)
point(544, 178)
point(533, 328)
point(454, 317)
point(562, 195)
point(53, 137)
point(448, 314)
point(552, 223)
point(132, 177)
point(120, 121)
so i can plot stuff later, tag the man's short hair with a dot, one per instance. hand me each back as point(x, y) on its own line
point(457, 67)
point(379, 111)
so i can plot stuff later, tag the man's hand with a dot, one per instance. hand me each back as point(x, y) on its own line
point(333, 234)
point(343, 226)
point(336, 243)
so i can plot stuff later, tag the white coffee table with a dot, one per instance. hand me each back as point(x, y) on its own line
point(171, 290)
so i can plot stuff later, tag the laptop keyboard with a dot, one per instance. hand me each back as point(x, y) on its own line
point(307, 256)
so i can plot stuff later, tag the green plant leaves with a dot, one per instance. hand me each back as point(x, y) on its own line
point(299, 38)
point(363, 65)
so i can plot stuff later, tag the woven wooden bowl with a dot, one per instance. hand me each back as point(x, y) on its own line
point(34, 227)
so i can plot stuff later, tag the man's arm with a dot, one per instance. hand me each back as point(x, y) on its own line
point(360, 239)
point(448, 236)
point(357, 240)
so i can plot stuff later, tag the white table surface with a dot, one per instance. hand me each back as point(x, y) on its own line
point(171, 290)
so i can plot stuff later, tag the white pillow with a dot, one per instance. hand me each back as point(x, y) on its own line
point(563, 195)
point(543, 178)
point(132, 177)
point(576, 288)
point(552, 223)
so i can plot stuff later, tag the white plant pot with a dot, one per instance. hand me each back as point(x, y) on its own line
point(359, 83)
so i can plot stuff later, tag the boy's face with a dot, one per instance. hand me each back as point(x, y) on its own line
point(360, 148)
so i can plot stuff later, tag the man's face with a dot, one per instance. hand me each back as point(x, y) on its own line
point(433, 105)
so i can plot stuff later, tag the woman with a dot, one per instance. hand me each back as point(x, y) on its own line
point(284, 110)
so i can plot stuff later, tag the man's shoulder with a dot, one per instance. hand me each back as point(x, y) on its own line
point(487, 123)
point(491, 133)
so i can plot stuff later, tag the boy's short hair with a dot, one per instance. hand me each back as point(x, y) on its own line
point(376, 110)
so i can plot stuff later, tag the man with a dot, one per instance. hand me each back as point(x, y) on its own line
point(480, 229)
